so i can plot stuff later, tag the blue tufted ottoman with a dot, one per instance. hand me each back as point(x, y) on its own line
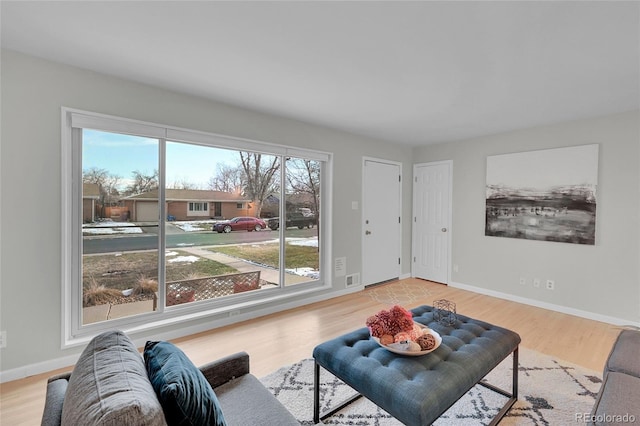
point(418, 390)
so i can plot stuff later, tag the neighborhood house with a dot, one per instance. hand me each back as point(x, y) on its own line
point(189, 204)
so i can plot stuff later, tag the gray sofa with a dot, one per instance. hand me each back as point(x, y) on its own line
point(618, 401)
point(111, 384)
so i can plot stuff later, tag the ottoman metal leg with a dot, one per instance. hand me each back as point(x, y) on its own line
point(316, 398)
point(316, 393)
point(513, 395)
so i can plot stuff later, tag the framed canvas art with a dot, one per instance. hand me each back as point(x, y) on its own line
point(547, 195)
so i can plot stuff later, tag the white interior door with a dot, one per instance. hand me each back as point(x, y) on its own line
point(381, 228)
point(431, 217)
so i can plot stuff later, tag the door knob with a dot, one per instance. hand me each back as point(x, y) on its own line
point(444, 229)
point(367, 232)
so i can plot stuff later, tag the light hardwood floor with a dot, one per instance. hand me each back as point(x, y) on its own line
point(286, 337)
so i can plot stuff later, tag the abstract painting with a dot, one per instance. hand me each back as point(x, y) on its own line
point(547, 195)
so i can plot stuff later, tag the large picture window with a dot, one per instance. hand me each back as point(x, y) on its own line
point(170, 222)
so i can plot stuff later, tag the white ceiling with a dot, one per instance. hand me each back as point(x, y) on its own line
point(408, 72)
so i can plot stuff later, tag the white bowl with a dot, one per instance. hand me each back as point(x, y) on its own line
point(398, 349)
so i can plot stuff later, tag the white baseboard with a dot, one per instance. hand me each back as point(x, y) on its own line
point(38, 368)
point(545, 305)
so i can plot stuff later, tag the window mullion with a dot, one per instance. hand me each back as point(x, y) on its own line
point(283, 218)
point(76, 234)
point(162, 207)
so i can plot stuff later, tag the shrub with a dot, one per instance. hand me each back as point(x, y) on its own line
point(145, 287)
point(96, 294)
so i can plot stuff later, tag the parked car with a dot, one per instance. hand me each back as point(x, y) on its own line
point(294, 219)
point(241, 223)
point(306, 212)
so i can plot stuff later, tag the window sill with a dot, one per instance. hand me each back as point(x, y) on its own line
point(220, 315)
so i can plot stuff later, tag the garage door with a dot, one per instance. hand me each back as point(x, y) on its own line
point(147, 212)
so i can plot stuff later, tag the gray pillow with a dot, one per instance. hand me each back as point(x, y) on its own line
point(109, 386)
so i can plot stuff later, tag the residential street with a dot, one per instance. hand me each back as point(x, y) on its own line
point(176, 239)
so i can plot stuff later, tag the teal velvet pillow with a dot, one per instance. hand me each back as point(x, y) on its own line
point(184, 393)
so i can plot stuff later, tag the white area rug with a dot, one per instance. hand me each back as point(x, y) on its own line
point(551, 392)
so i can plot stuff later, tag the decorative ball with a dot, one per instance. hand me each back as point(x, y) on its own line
point(426, 341)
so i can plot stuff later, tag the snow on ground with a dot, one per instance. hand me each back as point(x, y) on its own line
point(193, 225)
point(186, 227)
point(305, 272)
point(107, 227)
point(185, 259)
point(305, 242)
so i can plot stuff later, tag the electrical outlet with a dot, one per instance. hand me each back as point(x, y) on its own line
point(523, 280)
point(3, 339)
point(551, 284)
point(536, 282)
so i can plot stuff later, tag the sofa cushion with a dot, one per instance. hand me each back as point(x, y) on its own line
point(185, 395)
point(246, 401)
point(109, 386)
point(624, 355)
point(617, 402)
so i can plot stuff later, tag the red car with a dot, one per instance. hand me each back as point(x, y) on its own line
point(241, 223)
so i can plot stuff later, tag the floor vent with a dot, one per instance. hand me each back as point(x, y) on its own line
point(353, 280)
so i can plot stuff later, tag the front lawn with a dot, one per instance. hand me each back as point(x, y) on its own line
point(297, 256)
point(105, 276)
point(122, 271)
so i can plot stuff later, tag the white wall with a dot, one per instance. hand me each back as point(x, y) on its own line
point(33, 91)
point(602, 280)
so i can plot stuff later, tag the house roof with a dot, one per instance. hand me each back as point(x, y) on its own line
point(190, 195)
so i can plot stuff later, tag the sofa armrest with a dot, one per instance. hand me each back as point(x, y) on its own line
point(623, 357)
point(65, 376)
point(56, 390)
point(226, 369)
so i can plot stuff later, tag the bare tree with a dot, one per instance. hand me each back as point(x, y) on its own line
point(303, 177)
point(143, 182)
point(227, 179)
point(107, 185)
point(182, 184)
point(95, 175)
point(260, 176)
point(110, 188)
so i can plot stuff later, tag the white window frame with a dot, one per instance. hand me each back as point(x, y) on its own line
point(203, 209)
point(73, 121)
